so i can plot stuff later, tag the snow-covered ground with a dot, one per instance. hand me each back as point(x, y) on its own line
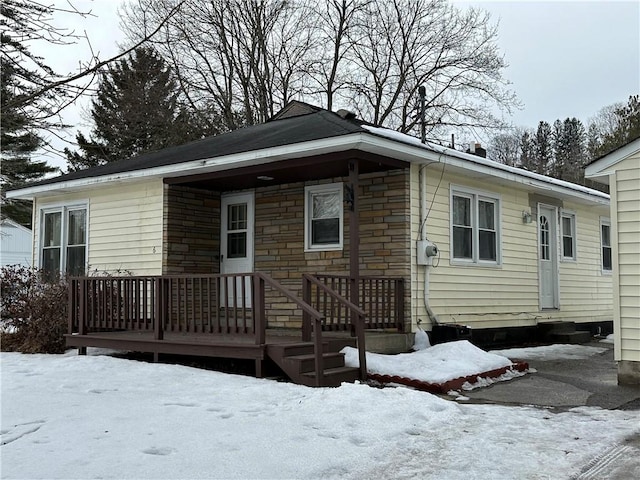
point(68, 416)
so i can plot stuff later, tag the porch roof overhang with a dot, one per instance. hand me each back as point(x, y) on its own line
point(299, 169)
point(326, 157)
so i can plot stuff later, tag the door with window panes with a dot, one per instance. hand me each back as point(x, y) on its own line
point(236, 245)
point(548, 257)
point(64, 241)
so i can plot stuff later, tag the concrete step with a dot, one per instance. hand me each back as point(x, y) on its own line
point(569, 337)
point(556, 327)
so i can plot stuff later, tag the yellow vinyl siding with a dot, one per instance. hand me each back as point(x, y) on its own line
point(506, 294)
point(627, 204)
point(125, 226)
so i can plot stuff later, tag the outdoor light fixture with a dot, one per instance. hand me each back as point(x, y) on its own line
point(266, 178)
point(526, 217)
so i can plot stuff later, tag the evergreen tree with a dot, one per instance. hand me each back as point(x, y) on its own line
point(136, 110)
point(543, 148)
point(570, 150)
point(527, 152)
point(18, 141)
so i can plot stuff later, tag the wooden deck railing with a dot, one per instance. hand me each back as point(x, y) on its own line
point(223, 305)
point(382, 299)
point(216, 304)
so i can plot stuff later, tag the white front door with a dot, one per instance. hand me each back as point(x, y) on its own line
point(236, 245)
point(548, 256)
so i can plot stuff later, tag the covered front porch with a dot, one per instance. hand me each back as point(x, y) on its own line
point(246, 273)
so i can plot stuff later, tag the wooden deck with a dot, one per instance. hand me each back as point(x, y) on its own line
point(200, 344)
point(214, 316)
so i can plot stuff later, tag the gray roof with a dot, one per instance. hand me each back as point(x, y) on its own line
point(315, 125)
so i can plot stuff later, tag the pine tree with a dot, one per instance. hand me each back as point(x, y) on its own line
point(136, 110)
point(543, 148)
point(527, 152)
point(18, 141)
point(570, 150)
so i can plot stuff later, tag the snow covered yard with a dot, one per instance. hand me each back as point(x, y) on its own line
point(65, 416)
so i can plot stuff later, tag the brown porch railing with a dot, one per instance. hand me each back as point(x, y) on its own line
point(222, 305)
point(381, 298)
point(215, 304)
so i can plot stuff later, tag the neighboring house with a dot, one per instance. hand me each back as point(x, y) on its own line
point(15, 243)
point(620, 170)
point(476, 243)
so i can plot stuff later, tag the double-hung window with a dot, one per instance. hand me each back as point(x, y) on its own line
point(568, 226)
point(64, 240)
point(323, 217)
point(605, 243)
point(475, 229)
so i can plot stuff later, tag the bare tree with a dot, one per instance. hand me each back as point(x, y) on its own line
point(507, 148)
point(247, 58)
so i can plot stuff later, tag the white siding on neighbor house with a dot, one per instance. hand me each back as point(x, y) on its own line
point(125, 226)
point(506, 294)
point(15, 244)
point(626, 217)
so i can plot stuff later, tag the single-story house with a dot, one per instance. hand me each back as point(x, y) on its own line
point(620, 170)
point(433, 235)
point(15, 243)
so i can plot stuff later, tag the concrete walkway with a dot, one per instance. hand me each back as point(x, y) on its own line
point(563, 384)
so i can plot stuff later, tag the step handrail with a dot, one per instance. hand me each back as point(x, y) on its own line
point(307, 312)
point(307, 280)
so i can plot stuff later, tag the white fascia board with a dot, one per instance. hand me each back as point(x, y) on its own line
point(601, 169)
point(414, 151)
point(207, 165)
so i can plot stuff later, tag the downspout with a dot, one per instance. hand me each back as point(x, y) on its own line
point(422, 91)
point(423, 236)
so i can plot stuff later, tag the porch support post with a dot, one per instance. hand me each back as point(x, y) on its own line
point(354, 239)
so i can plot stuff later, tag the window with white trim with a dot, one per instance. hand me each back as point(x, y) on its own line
point(64, 240)
point(323, 217)
point(568, 227)
point(475, 232)
point(605, 243)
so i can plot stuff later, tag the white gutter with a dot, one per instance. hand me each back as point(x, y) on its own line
point(411, 148)
point(206, 165)
point(384, 142)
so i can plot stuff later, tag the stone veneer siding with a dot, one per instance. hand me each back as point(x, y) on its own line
point(384, 238)
point(191, 235)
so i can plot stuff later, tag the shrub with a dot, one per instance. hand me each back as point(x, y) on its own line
point(33, 310)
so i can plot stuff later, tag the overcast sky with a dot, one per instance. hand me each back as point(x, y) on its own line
point(566, 59)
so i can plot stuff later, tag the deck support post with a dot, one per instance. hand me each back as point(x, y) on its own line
point(306, 318)
point(156, 357)
point(158, 320)
point(259, 321)
point(259, 372)
point(354, 239)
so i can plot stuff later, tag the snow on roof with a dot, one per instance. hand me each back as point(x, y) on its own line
point(408, 139)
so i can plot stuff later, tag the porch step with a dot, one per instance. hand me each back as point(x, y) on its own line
point(333, 377)
point(307, 363)
point(297, 361)
point(293, 349)
point(562, 332)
